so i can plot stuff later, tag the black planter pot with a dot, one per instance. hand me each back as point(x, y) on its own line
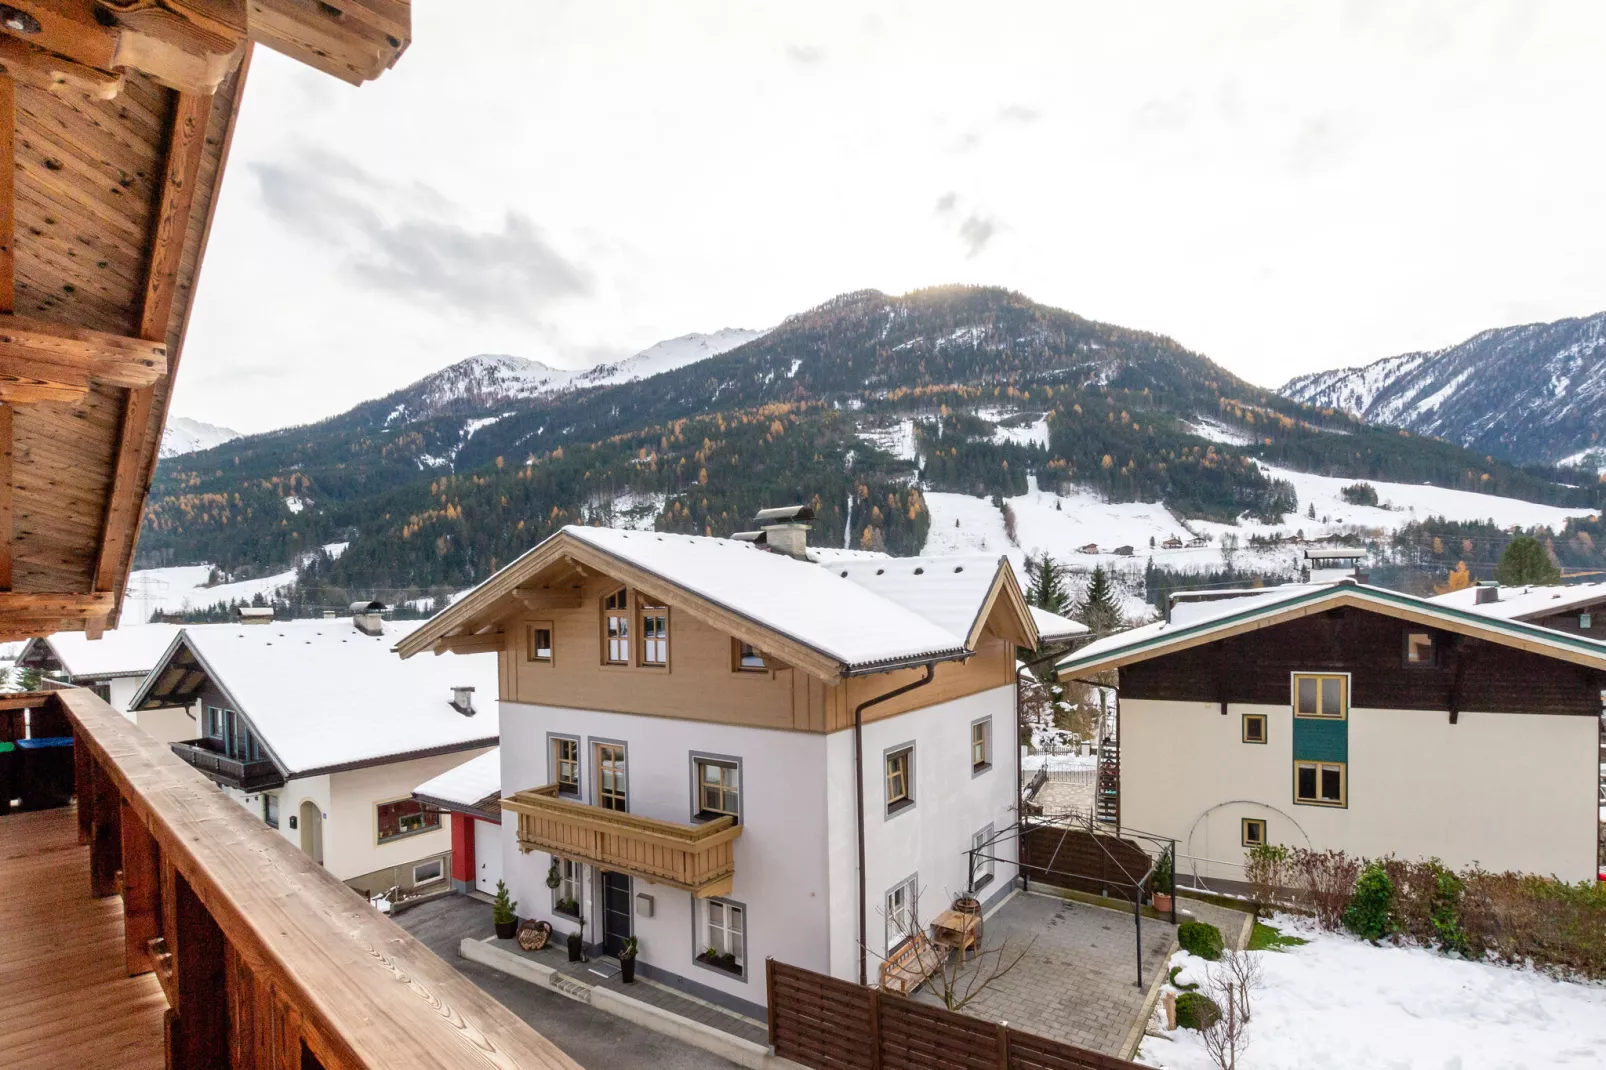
point(575, 947)
point(507, 930)
point(627, 970)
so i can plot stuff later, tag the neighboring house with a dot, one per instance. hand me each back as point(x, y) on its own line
point(1328, 564)
point(682, 720)
point(315, 726)
point(470, 796)
point(1347, 716)
point(112, 666)
point(1579, 608)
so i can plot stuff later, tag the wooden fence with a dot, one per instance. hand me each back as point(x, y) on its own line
point(830, 1024)
point(1084, 861)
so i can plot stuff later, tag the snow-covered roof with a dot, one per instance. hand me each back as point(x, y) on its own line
point(132, 650)
point(948, 591)
point(1524, 603)
point(467, 784)
point(825, 555)
point(1053, 628)
point(322, 695)
point(1207, 620)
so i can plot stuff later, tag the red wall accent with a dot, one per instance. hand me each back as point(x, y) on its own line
point(463, 848)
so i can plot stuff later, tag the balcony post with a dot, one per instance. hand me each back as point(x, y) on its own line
point(142, 900)
point(198, 1023)
point(105, 836)
point(83, 783)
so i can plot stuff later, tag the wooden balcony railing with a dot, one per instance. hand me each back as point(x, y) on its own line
point(699, 858)
point(247, 774)
point(267, 960)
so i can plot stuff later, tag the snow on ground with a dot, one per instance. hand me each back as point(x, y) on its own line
point(335, 549)
point(1340, 1003)
point(627, 509)
point(1032, 434)
point(898, 440)
point(182, 587)
point(1216, 431)
point(295, 504)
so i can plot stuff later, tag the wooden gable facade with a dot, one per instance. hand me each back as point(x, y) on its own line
point(118, 116)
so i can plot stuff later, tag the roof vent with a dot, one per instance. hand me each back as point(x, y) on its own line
point(463, 700)
point(785, 529)
point(367, 617)
point(1486, 595)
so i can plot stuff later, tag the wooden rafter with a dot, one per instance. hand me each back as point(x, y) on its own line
point(8, 298)
point(179, 50)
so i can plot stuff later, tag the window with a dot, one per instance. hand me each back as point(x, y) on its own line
point(270, 810)
point(566, 896)
point(901, 911)
point(1585, 622)
point(1419, 648)
point(611, 784)
point(404, 817)
point(1321, 696)
point(1254, 728)
point(727, 936)
point(427, 872)
point(541, 642)
point(981, 858)
point(103, 692)
point(719, 788)
point(566, 765)
point(616, 627)
point(214, 723)
point(981, 745)
point(654, 635)
point(1319, 783)
point(1254, 832)
point(900, 774)
point(746, 657)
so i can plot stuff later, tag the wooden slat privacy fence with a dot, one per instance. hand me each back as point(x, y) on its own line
point(831, 1024)
point(267, 961)
point(1084, 861)
point(698, 858)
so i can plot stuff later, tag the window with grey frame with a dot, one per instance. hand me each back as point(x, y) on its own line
point(270, 810)
point(717, 787)
point(981, 858)
point(899, 765)
point(981, 745)
point(722, 943)
point(564, 756)
point(902, 911)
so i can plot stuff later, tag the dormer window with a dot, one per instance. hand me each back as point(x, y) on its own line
point(616, 628)
point(655, 635)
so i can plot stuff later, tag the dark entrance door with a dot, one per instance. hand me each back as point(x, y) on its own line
point(615, 912)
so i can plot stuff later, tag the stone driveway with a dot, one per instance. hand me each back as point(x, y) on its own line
point(1078, 981)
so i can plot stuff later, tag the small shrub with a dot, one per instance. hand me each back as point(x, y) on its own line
point(1171, 979)
point(1195, 1010)
point(1371, 906)
point(1326, 877)
point(1266, 867)
point(1200, 938)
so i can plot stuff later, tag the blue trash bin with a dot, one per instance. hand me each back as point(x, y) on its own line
point(46, 775)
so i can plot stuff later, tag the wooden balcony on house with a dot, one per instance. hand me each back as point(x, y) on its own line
point(246, 774)
point(206, 939)
point(698, 858)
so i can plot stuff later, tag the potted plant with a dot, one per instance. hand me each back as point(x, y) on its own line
point(967, 904)
point(1161, 886)
point(502, 908)
point(627, 960)
point(576, 947)
point(727, 961)
point(552, 878)
point(568, 906)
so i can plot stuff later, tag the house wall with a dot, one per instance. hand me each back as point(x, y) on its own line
point(781, 874)
point(929, 840)
point(1570, 621)
point(171, 724)
point(1505, 790)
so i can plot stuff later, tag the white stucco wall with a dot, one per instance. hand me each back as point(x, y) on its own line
point(1508, 791)
point(929, 840)
point(781, 875)
point(351, 831)
point(170, 724)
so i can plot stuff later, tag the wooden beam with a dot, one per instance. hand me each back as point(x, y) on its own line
point(472, 644)
point(105, 834)
point(15, 605)
point(7, 515)
point(142, 875)
point(186, 144)
point(189, 55)
point(539, 600)
point(45, 70)
point(109, 358)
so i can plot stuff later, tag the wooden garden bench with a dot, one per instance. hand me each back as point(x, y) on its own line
point(907, 968)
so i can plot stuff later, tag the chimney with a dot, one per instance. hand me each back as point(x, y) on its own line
point(366, 616)
point(328, 614)
point(463, 700)
point(1486, 594)
point(786, 529)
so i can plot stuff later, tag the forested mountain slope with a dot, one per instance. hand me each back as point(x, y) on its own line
point(857, 405)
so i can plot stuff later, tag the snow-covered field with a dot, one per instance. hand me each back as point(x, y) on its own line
point(1340, 1003)
point(180, 588)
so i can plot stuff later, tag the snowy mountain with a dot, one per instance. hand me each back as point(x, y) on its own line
point(184, 435)
point(486, 380)
point(1533, 394)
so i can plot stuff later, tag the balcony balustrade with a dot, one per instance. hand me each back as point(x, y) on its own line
point(247, 774)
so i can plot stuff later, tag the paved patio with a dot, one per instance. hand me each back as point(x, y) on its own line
point(1078, 981)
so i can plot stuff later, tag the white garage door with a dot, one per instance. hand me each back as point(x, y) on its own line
point(487, 856)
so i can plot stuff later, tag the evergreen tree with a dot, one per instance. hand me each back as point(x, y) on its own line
point(1048, 584)
point(29, 679)
point(1526, 562)
point(1099, 609)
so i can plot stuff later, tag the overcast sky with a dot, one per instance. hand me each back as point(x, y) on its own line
point(1282, 187)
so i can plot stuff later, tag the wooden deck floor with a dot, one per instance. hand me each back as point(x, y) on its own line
point(67, 1000)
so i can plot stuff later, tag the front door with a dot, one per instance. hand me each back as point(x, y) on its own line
point(615, 912)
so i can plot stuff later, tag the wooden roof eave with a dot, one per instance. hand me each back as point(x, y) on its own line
point(1005, 594)
point(1531, 638)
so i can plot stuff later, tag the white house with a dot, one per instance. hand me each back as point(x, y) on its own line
point(727, 750)
point(314, 725)
point(1347, 716)
point(113, 666)
point(470, 795)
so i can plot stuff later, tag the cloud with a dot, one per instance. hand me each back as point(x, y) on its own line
point(1019, 113)
point(805, 55)
point(401, 240)
point(1320, 144)
point(1173, 113)
point(945, 203)
point(976, 231)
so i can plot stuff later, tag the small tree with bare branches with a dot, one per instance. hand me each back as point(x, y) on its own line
point(1226, 1033)
point(959, 977)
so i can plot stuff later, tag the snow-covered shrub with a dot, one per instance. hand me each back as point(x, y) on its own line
point(1326, 878)
point(1200, 938)
point(1370, 913)
point(1195, 1010)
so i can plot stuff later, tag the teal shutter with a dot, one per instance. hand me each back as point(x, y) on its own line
point(1320, 739)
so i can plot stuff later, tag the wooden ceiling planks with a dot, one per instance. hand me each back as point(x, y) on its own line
point(120, 114)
